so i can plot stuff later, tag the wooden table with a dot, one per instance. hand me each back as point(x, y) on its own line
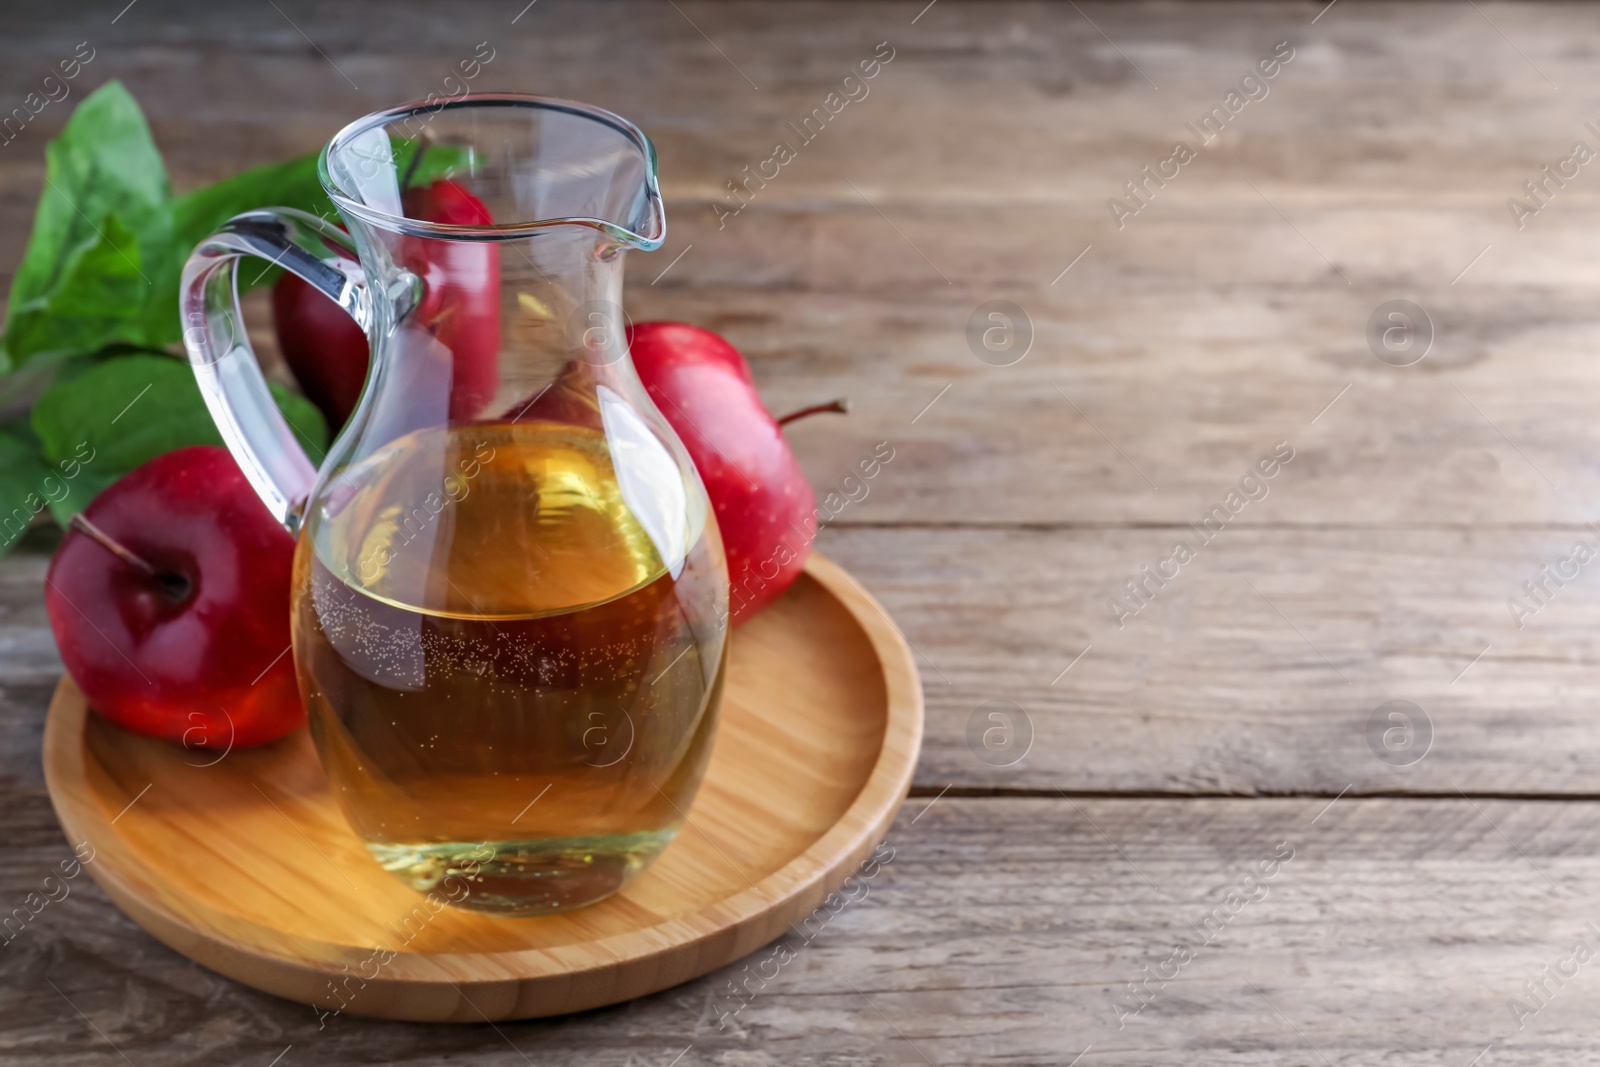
point(1223, 732)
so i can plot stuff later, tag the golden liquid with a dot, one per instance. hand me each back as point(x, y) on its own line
point(494, 651)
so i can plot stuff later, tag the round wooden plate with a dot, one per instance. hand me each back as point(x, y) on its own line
point(245, 864)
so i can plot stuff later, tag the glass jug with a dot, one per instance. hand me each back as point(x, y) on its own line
point(509, 591)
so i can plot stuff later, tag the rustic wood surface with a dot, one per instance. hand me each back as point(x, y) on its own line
point(1185, 748)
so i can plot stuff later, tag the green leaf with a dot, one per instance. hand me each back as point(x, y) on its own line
point(80, 490)
point(130, 409)
point(22, 475)
point(439, 161)
point(303, 417)
point(294, 184)
point(127, 410)
point(99, 286)
point(104, 163)
point(109, 240)
point(197, 215)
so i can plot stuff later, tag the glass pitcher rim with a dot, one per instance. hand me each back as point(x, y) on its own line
point(645, 242)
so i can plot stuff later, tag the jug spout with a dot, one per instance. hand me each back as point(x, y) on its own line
point(531, 162)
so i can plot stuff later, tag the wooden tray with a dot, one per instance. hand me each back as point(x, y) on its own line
point(247, 866)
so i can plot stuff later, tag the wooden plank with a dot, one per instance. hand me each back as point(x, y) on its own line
point(1158, 430)
point(1257, 668)
point(999, 932)
point(1208, 689)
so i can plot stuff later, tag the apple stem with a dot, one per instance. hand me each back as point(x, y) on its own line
point(841, 406)
point(111, 544)
point(174, 586)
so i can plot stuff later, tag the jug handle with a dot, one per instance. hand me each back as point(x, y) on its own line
point(219, 348)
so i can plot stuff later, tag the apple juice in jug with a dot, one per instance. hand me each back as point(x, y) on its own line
point(509, 640)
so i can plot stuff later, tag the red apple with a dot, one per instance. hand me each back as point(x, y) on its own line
point(460, 292)
point(169, 600)
point(460, 308)
point(763, 503)
point(323, 346)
